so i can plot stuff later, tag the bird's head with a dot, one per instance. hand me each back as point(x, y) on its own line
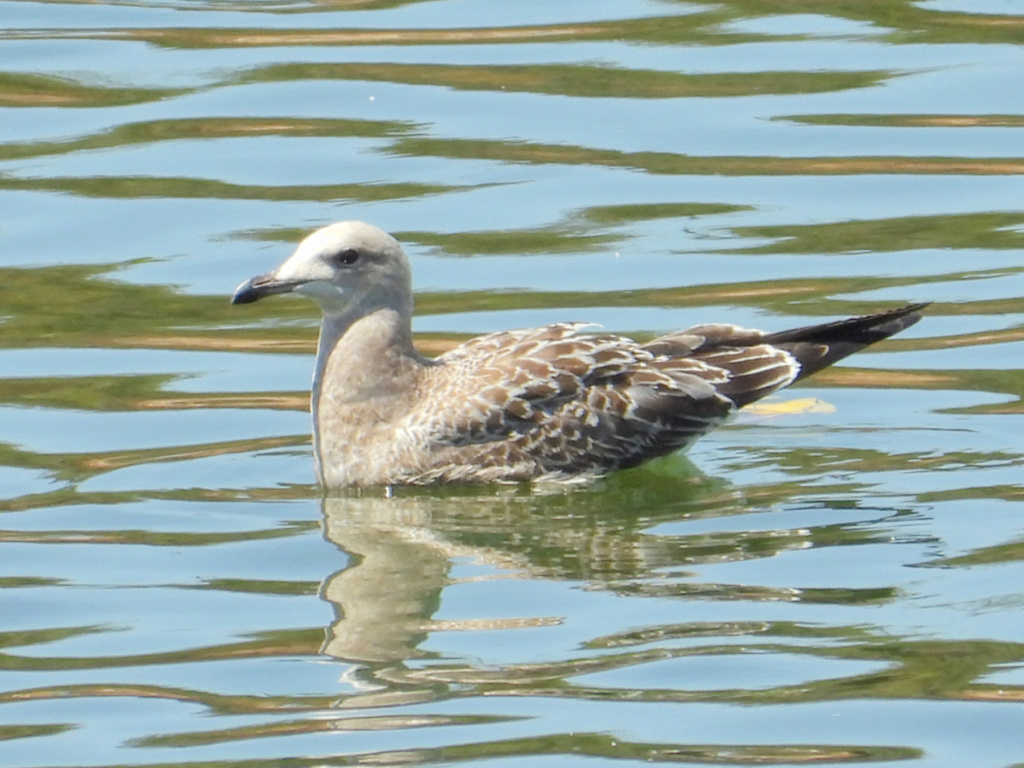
point(341, 266)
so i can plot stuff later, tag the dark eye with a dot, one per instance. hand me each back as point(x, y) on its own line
point(346, 258)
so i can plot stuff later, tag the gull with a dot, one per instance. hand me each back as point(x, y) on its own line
point(553, 403)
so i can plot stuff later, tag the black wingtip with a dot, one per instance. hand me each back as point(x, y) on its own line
point(911, 312)
point(819, 346)
point(866, 329)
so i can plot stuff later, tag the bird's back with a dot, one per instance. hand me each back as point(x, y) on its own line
point(555, 403)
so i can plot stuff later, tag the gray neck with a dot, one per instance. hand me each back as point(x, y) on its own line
point(364, 361)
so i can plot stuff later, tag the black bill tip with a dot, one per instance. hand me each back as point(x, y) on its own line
point(257, 287)
point(246, 293)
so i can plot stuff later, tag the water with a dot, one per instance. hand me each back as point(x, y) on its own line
point(832, 578)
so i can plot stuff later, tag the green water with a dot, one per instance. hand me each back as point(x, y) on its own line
point(832, 579)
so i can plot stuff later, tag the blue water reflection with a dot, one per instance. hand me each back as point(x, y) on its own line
point(831, 578)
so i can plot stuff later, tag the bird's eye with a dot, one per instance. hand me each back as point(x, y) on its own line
point(346, 258)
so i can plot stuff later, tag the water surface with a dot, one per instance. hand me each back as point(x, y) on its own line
point(833, 578)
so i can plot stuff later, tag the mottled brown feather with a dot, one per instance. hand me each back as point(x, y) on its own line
point(577, 403)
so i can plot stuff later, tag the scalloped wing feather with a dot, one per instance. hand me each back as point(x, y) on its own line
point(551, 403)
point(570, 403)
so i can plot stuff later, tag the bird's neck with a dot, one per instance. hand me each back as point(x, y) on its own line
point(363, 358)
point(366, 368)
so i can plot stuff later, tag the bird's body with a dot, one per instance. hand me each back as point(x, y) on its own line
point(549, 403)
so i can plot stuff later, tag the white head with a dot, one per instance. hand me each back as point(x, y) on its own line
point(348, 266)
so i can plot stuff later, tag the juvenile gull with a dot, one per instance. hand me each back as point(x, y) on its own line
point(547, 403)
